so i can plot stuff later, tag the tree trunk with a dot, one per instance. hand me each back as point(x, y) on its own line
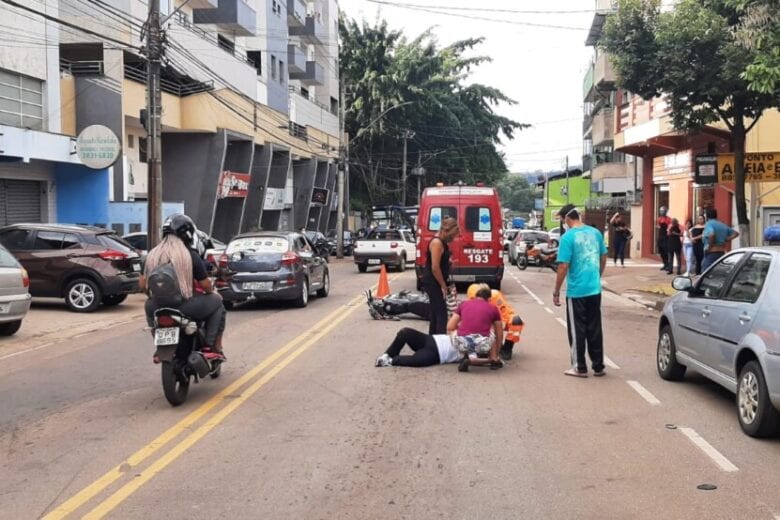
point(738, 141)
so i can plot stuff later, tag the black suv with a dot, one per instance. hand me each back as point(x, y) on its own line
point(85, 265)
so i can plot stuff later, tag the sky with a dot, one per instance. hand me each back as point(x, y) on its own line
point(541, 68)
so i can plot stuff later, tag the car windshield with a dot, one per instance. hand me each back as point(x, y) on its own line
point(270, 244)
point(7, 259)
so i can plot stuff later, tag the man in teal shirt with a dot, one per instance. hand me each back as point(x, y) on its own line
point(582, 256)
point(716, 237)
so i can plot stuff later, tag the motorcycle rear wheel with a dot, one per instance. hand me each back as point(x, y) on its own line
point(175, 391)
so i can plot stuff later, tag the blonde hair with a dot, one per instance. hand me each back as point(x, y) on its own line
point(173, 251)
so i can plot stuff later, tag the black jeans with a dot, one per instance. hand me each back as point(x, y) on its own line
point(438, 309)
point(698, 253)
point(583, 316)
point(207, 308)
point(663, 250)
point(426, 353)
point(619, 250)
point(672, 254)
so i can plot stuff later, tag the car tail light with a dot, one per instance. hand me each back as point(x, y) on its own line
point(220, 283)
point(290, 258)
point(166, 321)
point(223, 261)
point(25, 278)
point(110, 254)
point(393, 245)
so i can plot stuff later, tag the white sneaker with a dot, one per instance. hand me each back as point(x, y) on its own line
point(383, 361)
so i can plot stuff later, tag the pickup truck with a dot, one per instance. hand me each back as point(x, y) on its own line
point(391, 247)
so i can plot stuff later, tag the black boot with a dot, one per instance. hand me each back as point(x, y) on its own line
point(506, 351)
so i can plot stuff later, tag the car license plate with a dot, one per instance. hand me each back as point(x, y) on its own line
point(167, 336)
point(257, 286)
point(4, 308)
point(137, 268)
point(374, 261)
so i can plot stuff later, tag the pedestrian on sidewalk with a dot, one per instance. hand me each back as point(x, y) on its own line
point(662, 238)
point(436, 273)
point(621, 235)
point(582, 257)
point(698, 244)
point(675, 233)
point(716, 237)
point(690, 262)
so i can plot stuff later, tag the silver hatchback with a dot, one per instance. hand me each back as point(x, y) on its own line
point(14, 294)
point(725, 326)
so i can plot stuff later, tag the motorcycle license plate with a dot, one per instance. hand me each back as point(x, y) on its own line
point(167, 336)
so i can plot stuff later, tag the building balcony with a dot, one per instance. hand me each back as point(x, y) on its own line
point(610, 170)
point(296, 60)
point(599, 79)
point(296, 13)
point(312, 31)
point(203, 4)
point(603, 129)
point(313, 75)
point(232, 16)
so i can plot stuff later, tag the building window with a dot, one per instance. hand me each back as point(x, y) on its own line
point(273, 67)
point(334, 105)
point(305, 92)
point(21, 101)
point(256, 58)
point(130, 141)
point(142, 149)
point(226, 44)
point(281, 71)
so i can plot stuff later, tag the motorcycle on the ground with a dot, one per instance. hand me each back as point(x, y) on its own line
point(179, 341)
point(539, 254)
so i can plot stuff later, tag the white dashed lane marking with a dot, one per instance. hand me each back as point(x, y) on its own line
point(531, 293)
point(562, 322)
point(644, 392)
point(549, 310)
point(709, 450)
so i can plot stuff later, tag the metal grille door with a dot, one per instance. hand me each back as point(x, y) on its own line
point(20, 201)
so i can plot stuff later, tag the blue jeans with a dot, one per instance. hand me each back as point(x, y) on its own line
point(709, 259)
point(690, 258)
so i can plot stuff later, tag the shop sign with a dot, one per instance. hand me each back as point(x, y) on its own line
point(232, 184)
point(759, 167)
point(706, 169)
point(677, 163)
point(274, 199)
point(98, 147)
point(319, 196)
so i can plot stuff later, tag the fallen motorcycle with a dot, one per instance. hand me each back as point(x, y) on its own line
point(541, 255)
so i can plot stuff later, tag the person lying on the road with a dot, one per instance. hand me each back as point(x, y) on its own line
point(393, 306)
point(428, 350)
point(477, 331)
point(513, 323)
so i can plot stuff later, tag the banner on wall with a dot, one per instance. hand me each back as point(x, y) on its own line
point(233, 185)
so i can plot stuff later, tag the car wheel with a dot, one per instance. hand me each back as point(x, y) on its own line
point(402, 264)
point(82, 295)
point(303, 298)
point(10, 328)
point(666, 360)
point(757, 416)
point(113, 299)
point(522, 262)
point(323, 291)
point(362, 268)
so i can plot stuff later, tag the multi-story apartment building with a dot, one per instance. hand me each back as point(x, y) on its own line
point(615, 178)
point(235, 109)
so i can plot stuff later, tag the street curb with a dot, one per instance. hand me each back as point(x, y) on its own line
point(649, 304)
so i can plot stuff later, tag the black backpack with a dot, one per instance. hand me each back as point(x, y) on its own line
point(163, 286)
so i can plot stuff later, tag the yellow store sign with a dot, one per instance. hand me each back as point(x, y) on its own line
point(759, 167)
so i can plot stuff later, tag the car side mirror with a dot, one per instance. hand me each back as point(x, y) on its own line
point(683, 284)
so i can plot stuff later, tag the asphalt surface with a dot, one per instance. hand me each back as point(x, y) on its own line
point(302, 425)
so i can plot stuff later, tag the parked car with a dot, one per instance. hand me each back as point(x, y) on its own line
point(391, 247)
point(349, 242)
point(525, 239)
point(140, 241)
point(555, 234)
point(724, 326)
point(509, 236)
point(14, 296)
point(320, 243)
point(85, 265)
point(269, 265)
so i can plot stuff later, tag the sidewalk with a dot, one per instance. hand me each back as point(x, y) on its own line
point(49, 321)
point(640, 280)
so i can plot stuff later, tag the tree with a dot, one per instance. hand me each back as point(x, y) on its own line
point(692, 54)
point(454, 126)
point(760, 30)
point(516, 194)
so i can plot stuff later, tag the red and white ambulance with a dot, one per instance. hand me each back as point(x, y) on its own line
point(477, 254)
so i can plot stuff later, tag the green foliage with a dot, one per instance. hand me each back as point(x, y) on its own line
point(759, 30)
point(455, 129)
point(516, 194)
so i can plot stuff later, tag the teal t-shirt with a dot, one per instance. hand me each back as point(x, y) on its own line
point(717, 228)
point(582, 247)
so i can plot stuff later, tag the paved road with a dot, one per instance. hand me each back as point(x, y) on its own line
point(301, 425)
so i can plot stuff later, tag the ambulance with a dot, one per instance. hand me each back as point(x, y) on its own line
point(477, 254)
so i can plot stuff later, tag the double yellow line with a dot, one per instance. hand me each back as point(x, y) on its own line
point(303, 341)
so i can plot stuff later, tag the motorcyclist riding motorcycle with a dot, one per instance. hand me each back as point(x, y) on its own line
point(513, 323)
point(174, 251)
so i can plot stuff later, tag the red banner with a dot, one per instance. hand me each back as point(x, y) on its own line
point(232, 184)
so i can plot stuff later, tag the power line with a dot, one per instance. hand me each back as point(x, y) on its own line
point(490, 10)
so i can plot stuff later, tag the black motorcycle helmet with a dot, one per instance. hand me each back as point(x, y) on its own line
point(180, 225)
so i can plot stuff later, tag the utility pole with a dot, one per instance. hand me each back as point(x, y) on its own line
point(419, 174)
point(408, 134)
point(567, 180)
point(343, 170)
point(154, 51)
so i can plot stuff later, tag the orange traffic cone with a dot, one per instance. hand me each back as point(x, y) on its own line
point(383, 288)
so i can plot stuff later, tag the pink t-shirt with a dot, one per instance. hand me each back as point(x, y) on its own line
point(477, 317)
